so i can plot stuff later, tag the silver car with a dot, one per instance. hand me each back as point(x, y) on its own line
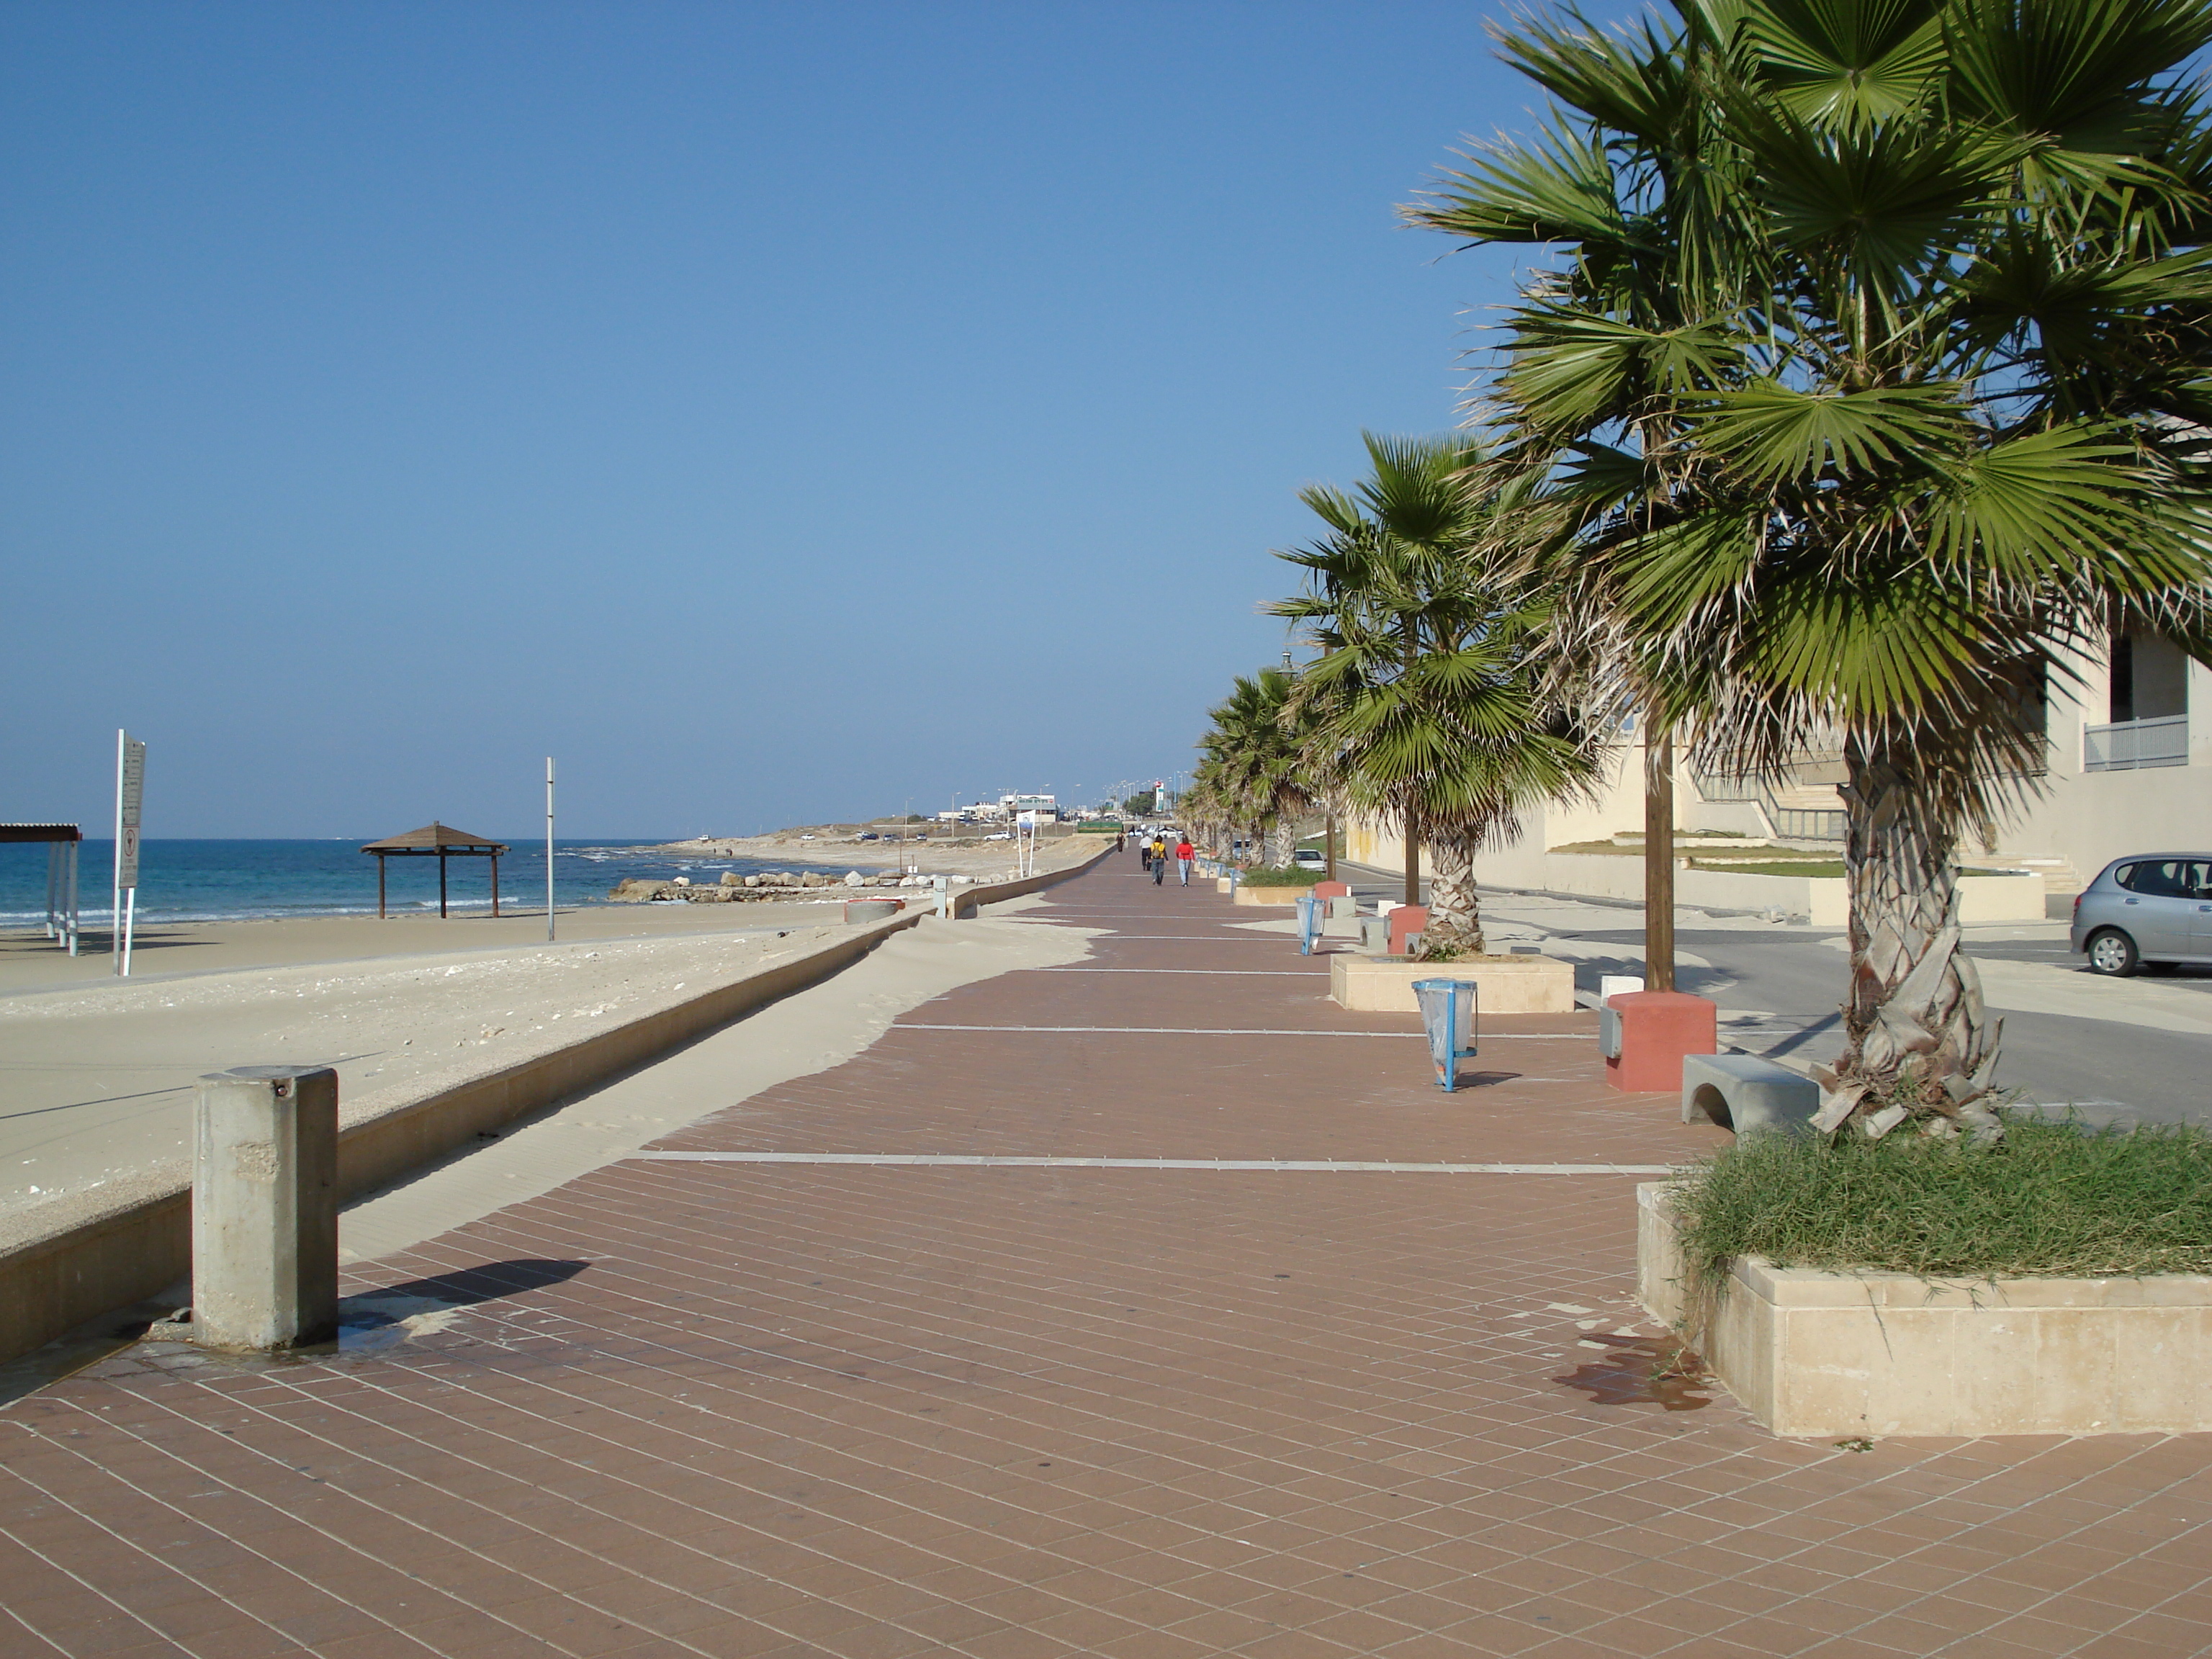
point(2153, 907)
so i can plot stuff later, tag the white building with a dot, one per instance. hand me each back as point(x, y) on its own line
point(2127, 742)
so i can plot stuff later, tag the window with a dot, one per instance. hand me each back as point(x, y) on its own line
point(2167, 878)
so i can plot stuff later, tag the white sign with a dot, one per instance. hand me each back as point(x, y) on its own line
point(130, 803)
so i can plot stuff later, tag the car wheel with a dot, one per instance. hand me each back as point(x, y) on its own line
point(2112, 952)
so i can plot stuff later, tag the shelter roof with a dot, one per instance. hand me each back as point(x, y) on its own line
point(435, 837)
point(19, 832)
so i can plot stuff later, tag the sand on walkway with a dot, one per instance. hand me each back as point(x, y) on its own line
point(809, 1031)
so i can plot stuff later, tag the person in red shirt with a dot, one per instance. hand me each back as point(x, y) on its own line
point(1184, 854)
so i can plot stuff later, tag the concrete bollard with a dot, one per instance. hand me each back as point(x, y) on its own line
point(264, 1208)
point(944, 885)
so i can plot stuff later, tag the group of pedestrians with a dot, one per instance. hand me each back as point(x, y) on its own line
point(1155, 854)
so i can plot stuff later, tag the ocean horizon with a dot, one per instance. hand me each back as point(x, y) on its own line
point(184, 880)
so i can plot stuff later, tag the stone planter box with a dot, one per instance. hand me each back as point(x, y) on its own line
point(1505, 985)
point(1820, 1353)
point(1282, 898)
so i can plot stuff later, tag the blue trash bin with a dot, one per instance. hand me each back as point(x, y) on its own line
point(1308, 923)
point(1448, 1018)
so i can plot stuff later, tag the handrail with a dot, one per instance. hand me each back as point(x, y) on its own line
point(1784, 823)
point(2128, 745)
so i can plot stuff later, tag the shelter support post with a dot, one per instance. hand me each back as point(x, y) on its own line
point(379, 887)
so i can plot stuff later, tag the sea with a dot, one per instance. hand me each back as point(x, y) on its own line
point(244, 880)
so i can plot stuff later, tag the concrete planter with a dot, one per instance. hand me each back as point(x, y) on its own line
point(1821, 1353)
point(1281, 898)
point(1505, 985)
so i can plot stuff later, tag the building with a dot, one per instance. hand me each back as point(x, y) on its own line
point(2128, 768)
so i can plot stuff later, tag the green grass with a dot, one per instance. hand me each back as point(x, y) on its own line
point(1292, 876)
point(2049, 1200)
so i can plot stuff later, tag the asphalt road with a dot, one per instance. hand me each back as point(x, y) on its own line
point(1778, 988)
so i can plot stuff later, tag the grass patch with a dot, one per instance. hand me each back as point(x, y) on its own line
point(1289, 876)
point(2050, 1201)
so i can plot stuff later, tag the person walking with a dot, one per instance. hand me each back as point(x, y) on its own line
point(1159, 851)
point(1185, 853)
point(1145, 855)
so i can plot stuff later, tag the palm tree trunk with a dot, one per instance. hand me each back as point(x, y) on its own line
point(1919, 1042)
point(1328, 847)
point(1455, 921)
point(1412, 864)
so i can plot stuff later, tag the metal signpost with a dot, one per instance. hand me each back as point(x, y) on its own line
point(549, 849)
point(130, 798)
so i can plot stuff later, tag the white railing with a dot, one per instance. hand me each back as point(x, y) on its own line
point(2124, 746)
point(1787, 823)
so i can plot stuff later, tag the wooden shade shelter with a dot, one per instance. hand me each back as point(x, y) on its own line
point(441, 841)
point(61, 841)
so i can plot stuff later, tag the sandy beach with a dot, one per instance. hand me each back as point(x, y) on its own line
point(96, 1073)
point(835, 845)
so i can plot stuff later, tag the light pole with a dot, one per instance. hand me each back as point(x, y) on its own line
point(549, 849)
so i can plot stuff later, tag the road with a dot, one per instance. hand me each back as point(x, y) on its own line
point(2138, 1050)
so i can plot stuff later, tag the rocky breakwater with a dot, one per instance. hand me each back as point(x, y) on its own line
point(768, 886)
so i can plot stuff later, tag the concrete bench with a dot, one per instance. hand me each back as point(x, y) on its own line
point(1743, 1092)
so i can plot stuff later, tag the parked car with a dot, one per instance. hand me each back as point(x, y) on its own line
point(1309, 858)
point(999, 835)
point(2150, 908)
point(869, 834)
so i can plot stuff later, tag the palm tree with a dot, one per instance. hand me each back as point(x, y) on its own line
point(1427, 703)
point(1869, 385)
point(1254, 763)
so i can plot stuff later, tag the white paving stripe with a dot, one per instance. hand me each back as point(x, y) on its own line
point(1233, 973)
point(1207, 1030)
point(1287, 1165)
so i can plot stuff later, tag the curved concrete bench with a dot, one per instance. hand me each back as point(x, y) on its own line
point(1743, 1092)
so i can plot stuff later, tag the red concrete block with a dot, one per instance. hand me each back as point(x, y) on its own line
point(1658, 1028)
point(1406, 919)
point(1330, 889)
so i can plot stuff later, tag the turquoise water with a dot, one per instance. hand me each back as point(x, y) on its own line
point(233, 880)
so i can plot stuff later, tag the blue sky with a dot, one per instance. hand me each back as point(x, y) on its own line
point(778, 413)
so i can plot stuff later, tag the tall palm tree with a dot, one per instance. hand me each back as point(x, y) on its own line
point(1427, 703)
point(1869, 384)
point(1253, 761)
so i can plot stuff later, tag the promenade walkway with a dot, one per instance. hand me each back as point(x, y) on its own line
point(886, 1361)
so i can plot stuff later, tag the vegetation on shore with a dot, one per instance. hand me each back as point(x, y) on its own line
point(2048, 1199)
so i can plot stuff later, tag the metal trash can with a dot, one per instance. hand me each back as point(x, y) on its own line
point(1309, 922)
point(1448, 1018)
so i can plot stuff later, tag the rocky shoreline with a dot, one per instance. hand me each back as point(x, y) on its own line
point(772, 885)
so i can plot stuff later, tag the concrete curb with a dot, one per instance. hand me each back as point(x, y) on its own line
point(133, 1238)
point(967, 900)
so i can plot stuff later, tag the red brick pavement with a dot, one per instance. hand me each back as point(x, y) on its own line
point(742, 1409)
